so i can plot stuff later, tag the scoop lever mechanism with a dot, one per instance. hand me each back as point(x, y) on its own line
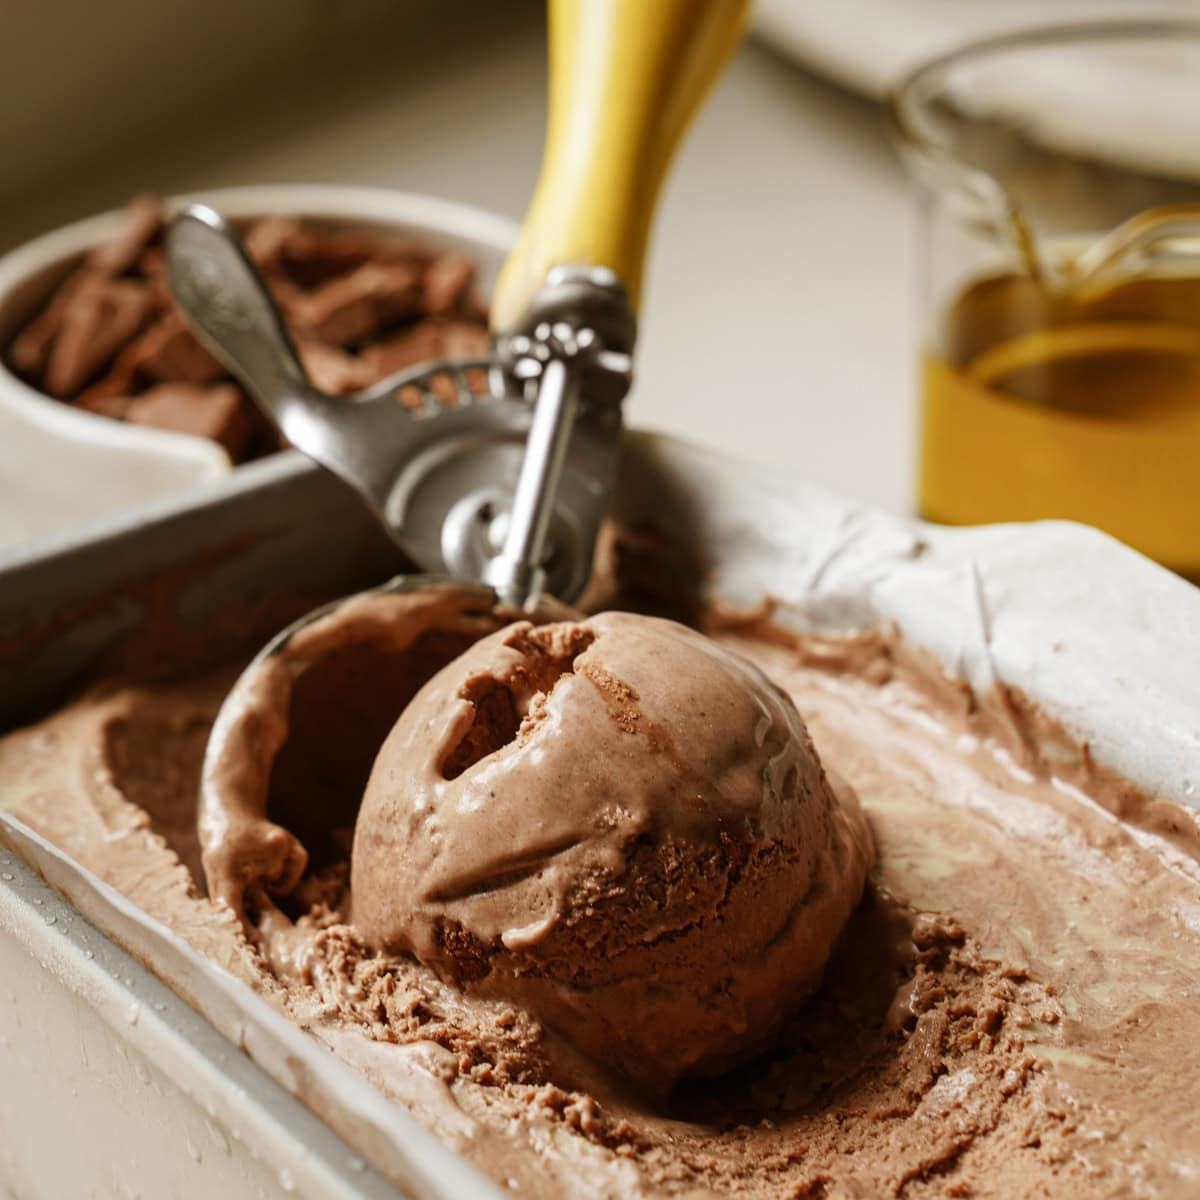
point(495, 468)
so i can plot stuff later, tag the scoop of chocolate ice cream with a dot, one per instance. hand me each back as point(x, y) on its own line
point(619, 825)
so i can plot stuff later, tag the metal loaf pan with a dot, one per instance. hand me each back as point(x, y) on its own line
point(116, 1086)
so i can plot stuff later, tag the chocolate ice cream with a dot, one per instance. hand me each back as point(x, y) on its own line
point(1010, 1012)
point(620, 826)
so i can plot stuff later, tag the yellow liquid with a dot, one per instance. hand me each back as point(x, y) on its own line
point(1084, 408)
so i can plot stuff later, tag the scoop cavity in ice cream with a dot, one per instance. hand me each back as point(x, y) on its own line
point(619, 825)
point(292, 747)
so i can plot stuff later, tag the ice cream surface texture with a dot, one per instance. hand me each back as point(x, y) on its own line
point(1010, 1011)
point(619, 825)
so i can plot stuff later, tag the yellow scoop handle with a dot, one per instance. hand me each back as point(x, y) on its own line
point(626, 76)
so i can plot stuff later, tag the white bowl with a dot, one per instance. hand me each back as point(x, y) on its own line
point(61, 467)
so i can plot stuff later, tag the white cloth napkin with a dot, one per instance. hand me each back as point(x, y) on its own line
point(1135, 106)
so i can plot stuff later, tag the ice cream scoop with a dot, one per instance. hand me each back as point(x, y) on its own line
point(502, 468)
point(619, 825)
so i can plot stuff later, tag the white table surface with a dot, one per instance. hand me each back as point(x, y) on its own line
point(778, 321)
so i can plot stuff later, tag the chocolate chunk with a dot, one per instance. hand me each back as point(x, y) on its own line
point(333, 370)
point(168, 351)
point(465, 339)
point(418, 344)
point(288, 296)
point(353, 307)
point(447, 282)
point(110, 397)
point(142, 223)
point(30, 349)
point(313, 256)
point(152, 267)
point(102, 316)
point(221, 413)
point(424, 342)
point(267, 240)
